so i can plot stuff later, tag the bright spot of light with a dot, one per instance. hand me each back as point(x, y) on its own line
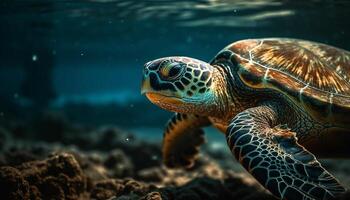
point(34, 57)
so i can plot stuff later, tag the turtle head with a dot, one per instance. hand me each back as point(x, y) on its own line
point(179, 84)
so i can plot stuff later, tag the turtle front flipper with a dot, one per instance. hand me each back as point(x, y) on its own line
point(273, 156)
point(182, 138)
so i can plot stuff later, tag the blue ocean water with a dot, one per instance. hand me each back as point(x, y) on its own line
point(85, 58)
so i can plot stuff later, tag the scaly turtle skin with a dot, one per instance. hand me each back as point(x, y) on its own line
point(275, 99)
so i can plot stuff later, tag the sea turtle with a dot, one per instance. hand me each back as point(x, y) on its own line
point(276, 99)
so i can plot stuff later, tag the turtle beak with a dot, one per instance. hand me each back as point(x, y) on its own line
point(145, 84)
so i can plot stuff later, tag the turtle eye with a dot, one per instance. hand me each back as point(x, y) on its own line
point(171, 71)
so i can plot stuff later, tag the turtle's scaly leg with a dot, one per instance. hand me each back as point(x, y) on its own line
point(181, 140)
point(273, 156)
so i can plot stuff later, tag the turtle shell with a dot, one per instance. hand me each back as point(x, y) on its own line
point(313, 75)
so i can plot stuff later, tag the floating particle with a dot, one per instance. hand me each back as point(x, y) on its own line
point(34, 57)
point(154, 157)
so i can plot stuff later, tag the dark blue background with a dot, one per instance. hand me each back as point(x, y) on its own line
point(85, 58)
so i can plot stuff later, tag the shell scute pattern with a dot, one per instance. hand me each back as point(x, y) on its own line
point(313, 74)
point(303, 61)
point(295, 61)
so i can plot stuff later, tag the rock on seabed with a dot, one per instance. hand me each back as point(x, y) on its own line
point(103, 166)
point(62, 176)
point(58, 177)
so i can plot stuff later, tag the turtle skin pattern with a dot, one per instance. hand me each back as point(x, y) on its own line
point(274, 157)
point(182, 138)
